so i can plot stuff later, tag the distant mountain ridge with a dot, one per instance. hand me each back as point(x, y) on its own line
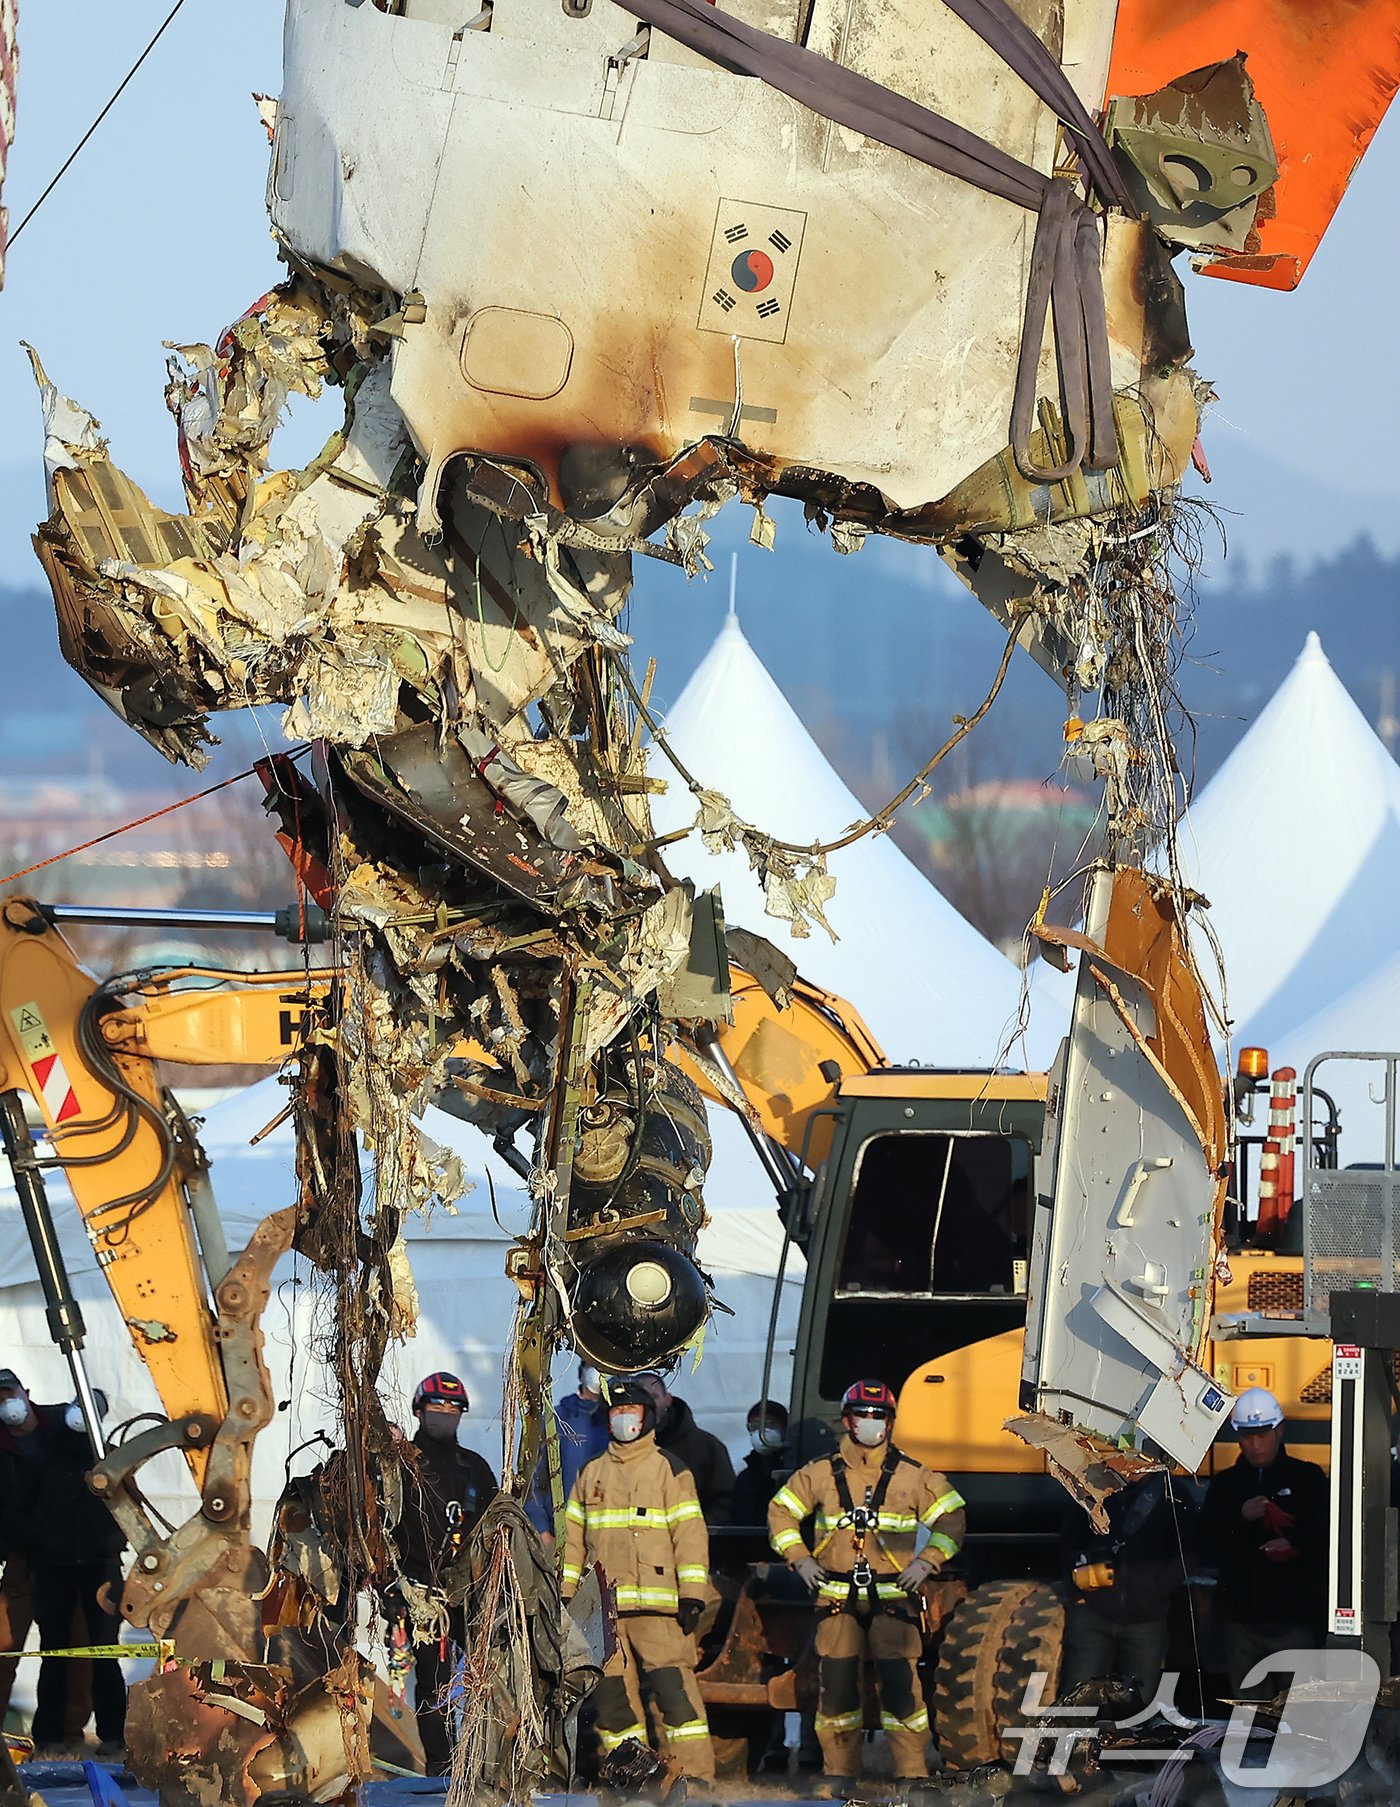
point(863, 646)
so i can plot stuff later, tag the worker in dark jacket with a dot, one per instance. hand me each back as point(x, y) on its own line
point(757, 1481)
point(583, 1434)
point(1264, 1528)
point(20, 1421)
point(446, 1489)
point(699, 1451)
point(75, 1548)
point(1119, 1584)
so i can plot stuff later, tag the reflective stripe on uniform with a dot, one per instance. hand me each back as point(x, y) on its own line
point(632, 1518)
point(659, 1599)
point(946, 1502)
point(896, 1522)
point(689, 1572)
point(916, 1722)
point(838, 1588)
point(784, 1540)
point(789, 1501)
point(611, 1740)
point(576, 1510)
point(944, 1543)
point(570, 1576)
point(693, 1728)
point(840, 1722)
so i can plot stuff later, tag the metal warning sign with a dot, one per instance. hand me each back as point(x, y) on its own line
point(59, 1099)
point(752, 273)
point(1346, 1362)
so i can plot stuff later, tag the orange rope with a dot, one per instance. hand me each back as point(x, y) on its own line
point(140, 822)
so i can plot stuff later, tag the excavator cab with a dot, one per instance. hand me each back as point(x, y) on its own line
point(916, 1233)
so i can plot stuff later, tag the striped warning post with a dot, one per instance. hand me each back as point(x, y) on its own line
point(1276, 1163)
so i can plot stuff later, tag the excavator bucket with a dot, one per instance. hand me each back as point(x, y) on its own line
point(1123, 1245)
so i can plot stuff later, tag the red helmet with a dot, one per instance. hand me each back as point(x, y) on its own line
point(440, 1389)
point(868, 1397)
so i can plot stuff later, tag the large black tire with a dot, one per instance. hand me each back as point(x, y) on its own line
point(993, 1642)
point(1034, 1645)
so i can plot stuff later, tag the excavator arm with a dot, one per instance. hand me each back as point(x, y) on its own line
point(780, 1060)
point(84, 1053)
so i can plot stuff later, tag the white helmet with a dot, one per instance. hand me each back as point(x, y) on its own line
point(1256, 1409)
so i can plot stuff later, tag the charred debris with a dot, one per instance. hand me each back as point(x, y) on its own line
point(437, 599)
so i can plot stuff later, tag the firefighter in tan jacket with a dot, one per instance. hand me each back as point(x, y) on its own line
point(871, 1504)
point(633, 1511)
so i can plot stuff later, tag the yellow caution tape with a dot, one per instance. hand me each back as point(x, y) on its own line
point(163, 1650)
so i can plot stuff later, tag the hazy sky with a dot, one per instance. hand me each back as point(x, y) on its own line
point(158, 232)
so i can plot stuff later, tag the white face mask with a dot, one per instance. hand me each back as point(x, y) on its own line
point(870, 1432)
point(14, 1411)
point(770, 1437)
point(625, 1423)
point(74, 1419)
point(589, 1380)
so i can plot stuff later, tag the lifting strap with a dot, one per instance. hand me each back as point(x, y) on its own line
point(1065, 277)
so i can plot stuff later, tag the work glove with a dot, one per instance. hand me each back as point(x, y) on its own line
point(1278, 1519)
point(914, 1577)
point(1278, 1549)
point(811, 1572)
point(688, 1615)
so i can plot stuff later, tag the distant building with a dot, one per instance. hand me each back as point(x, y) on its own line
point(217, 853)
point(1001, 813)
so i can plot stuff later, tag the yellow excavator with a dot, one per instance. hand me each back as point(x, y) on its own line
point(911, 1194)
point(908, 1192)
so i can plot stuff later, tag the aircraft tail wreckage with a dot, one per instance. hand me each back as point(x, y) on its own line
point(582, 274)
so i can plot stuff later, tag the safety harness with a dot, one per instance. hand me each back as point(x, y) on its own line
point(862, 1521)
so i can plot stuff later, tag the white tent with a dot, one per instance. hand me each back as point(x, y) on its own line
point(929, 985)
point(1296, 842)
point(1365, 1020)
point(466, 1303)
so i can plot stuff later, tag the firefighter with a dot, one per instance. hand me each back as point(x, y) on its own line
point(633, 1510)
point(447, 1488)
point(871, 1502)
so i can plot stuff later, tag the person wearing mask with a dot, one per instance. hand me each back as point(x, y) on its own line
point(447, 1487)
point(754, 1486)
point(757, 1481)
point(19, 1421)
point(583, 1434)
point(75, 1548)
point(698, 1450)
point(634, 1511)
point(1264, 1529)
point(872, 1506)
point(1119, 1584)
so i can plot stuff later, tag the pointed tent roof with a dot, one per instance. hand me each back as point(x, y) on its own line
point(1296, 842)
point(1366, 1020)
point(930, 986)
